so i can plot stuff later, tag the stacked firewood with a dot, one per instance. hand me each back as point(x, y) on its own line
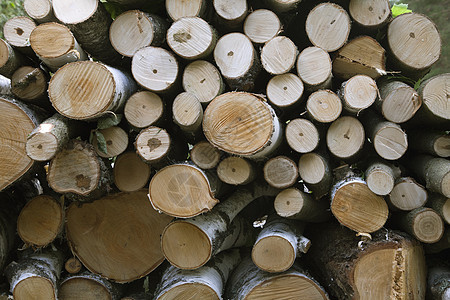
point(223, 150)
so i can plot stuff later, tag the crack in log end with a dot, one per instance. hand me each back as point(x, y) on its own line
point(182, 37)
point(153, 144)
point(398, 272)
point(83, 182)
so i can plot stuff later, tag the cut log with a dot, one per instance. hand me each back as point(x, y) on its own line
point(436, 143)
point(278, 55)
point(435, 172)
point(50, 137)
point(237, 61)
point(73, 265)
point(358, 93)
point(205, 156)
point(381, 177)
point(135, 29)
point(433, 93)
point(285, 91)
point(439, 282)
point(345, 137)
point(415, 43)
point(424, 224)
point(315, 171)
point(88, 286)
point(88, 90)
point(18, 121)
point(328, 26)
point(55, 45)
point(441, 205)
point(407, 194)
point(177, 9)
point(261, 26)
point(283, 6)
point(40, 221)
point(232, 13)
point(144, 109)
point(5, 86)
point(243, 124)
point(250, 283)
point(183, 191)
point(40, 11)
point(30, 85)
point(282, 239)
point(35, 276)
point(89, 21)
point(207, 282)
point(236, 170)
point(155, 68)
point(190, 243)
point(371, 15)
point(77, 169)
point(302, 135)
point(314, 68)
point(324, 106)
point(355, 206)
point(17, 32)
point(294, 204)
point(362, 55)
point(187, 113)
point(130, 172)
point(202, 79)
point(10, 59)
point(191, 38)
point(280, 172)
point(399, 102)
point(116, 142)
point(391, 265)
point(124, 245)
point(441, 245)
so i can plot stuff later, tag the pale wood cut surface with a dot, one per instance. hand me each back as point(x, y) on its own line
point(73, 265)
point(262, 25)
point(177, 9)
point(235, 170)
point(231, 11)
point(143, 109)
point(324, 106)
point(370, 13)
point(74, 11)
point(282, 6)
point(82, 288)
point(314, 66)
point(442, 146)
point(399, 101)
point(130, 172)
point(390, 141)
point(407, 194)
point(205, 156)
point(32, 286)
point(285, 90)
point(266, 249)
point(359, 93)
point(302, 136)
point(51, 40)
point(187, 112)
point(116, 142)
point(435, 95)
point(345, 137)
point(380, 178)
point(117, 236)
point(153, 143)
point(280, 172)
point(425, 224)
point(278, 55)
point(29, 84)
point(17, 31)
point(40, 10)
point(190, 290)
point(202, 79)
point(312, 168)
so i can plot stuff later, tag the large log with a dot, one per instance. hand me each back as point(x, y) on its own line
point(87, 285)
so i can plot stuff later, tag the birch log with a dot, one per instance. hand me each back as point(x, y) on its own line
point(424, 224)
point(435, 172)
point(280, 172)
point(324, 106)
point(314, 169)
point(8, 227)
point(187, 112)
point(278, 55)
point(30, 84)
point(88, 286)
point(5, 86)
point(314, 68)
point(205, 156)
point(434, 96)
point(144, 109)
point(261, 26)
point(285, 90)
point(358, 93)
point(230, 14)
point(380, 177)
point(40, 11)
point(407, 194)
point(17, 32)
point(177, 9)
point(345, 137)
point(130, 172)
point(433, 142)
point(236, 170)
point(439, 282)
point(371, 15)
point(10, 59)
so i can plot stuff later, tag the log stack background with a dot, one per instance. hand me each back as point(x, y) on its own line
point(223, 150)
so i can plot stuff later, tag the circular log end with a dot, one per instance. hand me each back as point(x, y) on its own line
point(187, 111)
point(312, 168)
point(314, 66)
point(51, 40)
point(143, 109)
point(72, 265)
point(280, 172)
point(191, 290)
point(442, 146)
point(370, 13)
point(42, 146)
point(289, 202)
point(407, 194)
point(202, 79)
point(235, 170)
point(390, 142)
point(428, 226)
point(37, 9)
point(278, 55)
point(261, 26)
point(302, 136)
point(360, 92)
point(266, 249)
point(153, 144)
point(345, 137)
point(380, 182)
point(4, 52)
point(74, 11)
point(116, 142)
point(130, 172)
point(324, 106)
point(435, 96)
point(401, 104)
point(205, 156)
point(17, 31)
point(285, 90)
point(32, 286)
point(82, 288)
point(179, 9)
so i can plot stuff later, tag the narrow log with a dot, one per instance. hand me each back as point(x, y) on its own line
point(5, 86)
point(124, 245)
point(89, 21)
point(362, 55)
point(358, 93)
point(248, 282)
point(230, 14)
point(205, 156)
point(10, 59)
point(237, 61)
point(441, 205)
point(187, 113)
point(243, 124)
point(87, 90)
point(17, 32)
point(236, 170)
point(439, 282)
point(203, 79)
point(314, 68)
point(36, 274)
point(390, 265)
point(407, 194)
point(30, 84)
point(434, 97)
point(324, 106)
point(424, 224)
point(285, 90)
point(130, 172)
point(155, 68)
point(315, 171)
point(88, 286)
point(144, 109)
point(398, 102)
point(73, 265)
point(116, 142)
point(345, 137)
point(436, 143)
point(40, 221)
point(283, 6)
point(278, 55)
point(282, 239)
point(183, 191)
point(177, 9)
point(371, 15)
point(280, 172)
point(207, 282)
point(135, 29)
point(40, 11)
point(328, 26)
point(294, 204)
point(302, 135)
point(78, 170)
point(261, 26)
point(406, 36)
point(55, 45)
point(435, 172)
point(381, 177)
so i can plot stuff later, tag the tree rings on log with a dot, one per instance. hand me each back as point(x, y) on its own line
point(441, 205)
point(399, 102)
point(116, 142)
point(407, 194)
point(314, 68)
point(117, 236)
point(236, 170)
point(345, 137)
point(285, 90)
point(278, 56)
point(182, 191)
point(302, 135)
point(371, 14)
point(424, 224)
point(324, 106)
point(73, 265)
point(143, 109)
point(328, 26)
point(434, 95)
point(358, 93)
point(88, 286)
point(187, 112)
point(130, 172)
point(177, 9)
point(280, 172)
point(243, 124)
point(380, 178)
point(153, 144)
point(261, 26)
point(205, 156)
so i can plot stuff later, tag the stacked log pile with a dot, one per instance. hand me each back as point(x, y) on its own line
point(223, 150)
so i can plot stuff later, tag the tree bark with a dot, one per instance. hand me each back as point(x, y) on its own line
point(434, 171)
point(30, 84)
point(10, 59)
point(8, 217)
point(436, 143)
point(5, 86)
point(439, 282)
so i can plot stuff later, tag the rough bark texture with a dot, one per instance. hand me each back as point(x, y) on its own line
point(11, 59)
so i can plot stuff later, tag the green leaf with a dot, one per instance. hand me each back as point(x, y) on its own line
point(417, 84)
point(113, 9)
point(399, 9)
point(109, 120)
point(101, 142)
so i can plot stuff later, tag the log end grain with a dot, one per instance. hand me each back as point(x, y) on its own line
point(425, 224)
point(39, 10)
point(187, 112)
point(302, 136)
point(441, 146)
point(190, 290)
point(177, 9)
point(324, 106)
point(261, 26)
point(280, 172)
point(232, 12)
point(312, 168)
point(235, 170)
point(345, 137)
point(153, 144)
point(29, 84)
point(74, 11)
point(205, 156)
point(17, 31)
point(359, 93)
point(116, 142)
point(73, 265)
point(79, 287)
point(278, 55)
point(202, 79)
point(399, 101)
point(380, 180)
point(434, 94)
point(390, 142)
point(143, 109)
point(314, 67)
point(407, 194)
point(267, 248)
point(285, 90)
point(130, 172)
point(370, 14)
point(51, 40)
point(32, 286)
